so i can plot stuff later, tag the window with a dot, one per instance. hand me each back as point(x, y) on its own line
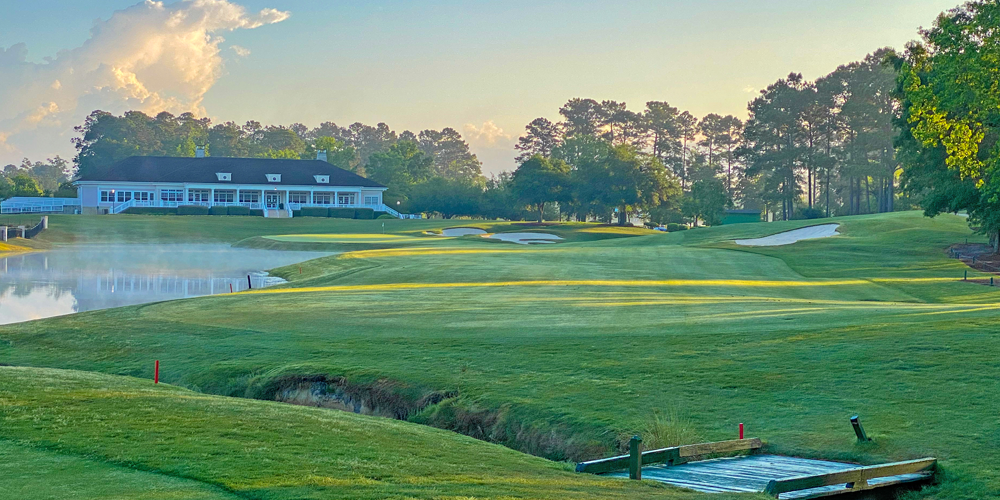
point(142, 196)
point(298, 197)
point(107, 196)
point(371, 200)
point(322, 179)
point(322, 198)
point(346, 198)
point(273, 177)
point(199, 195)
point(249, 196)
point(225, 196)
point(174, 195)
point(124, 196)
point(223, 176)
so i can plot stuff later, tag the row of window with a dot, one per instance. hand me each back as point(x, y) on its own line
point(224, 196)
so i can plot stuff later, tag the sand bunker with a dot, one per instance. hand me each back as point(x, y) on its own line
point(789, 237)
point(524, 238)
point(455, 232)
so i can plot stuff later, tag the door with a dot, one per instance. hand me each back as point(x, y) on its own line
point(271, 200)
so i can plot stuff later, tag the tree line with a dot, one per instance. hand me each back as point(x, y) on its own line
point(892, 131)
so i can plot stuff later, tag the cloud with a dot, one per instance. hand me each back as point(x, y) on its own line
point(749, 89)
point(489, 134)
point(240, 51)
point(149, 57)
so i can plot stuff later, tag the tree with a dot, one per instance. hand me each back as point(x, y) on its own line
point(581, 117)
point(452, 158)
point(706, 201)
point(687, 131)
point(625, 179)
point(541, 180)
point(951, 112)
point(24, 185)
point(337, 153)
point(399, 167)
point(448, 197)
point(661, 122)
point(541, 137)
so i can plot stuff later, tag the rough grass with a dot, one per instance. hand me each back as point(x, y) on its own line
point(561, 349)
point(66, 434)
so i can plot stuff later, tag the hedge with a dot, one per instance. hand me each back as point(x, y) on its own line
point(385, 216)
point(314, 212)
point(218, 211)
point(256, 212)
point(342, 213)
point(238, 211)
point(379, 214)
point(151, 211)
point(364, 213)
point(673, 226)
point(192, 210)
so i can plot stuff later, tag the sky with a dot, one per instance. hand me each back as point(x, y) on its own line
point(485, 68)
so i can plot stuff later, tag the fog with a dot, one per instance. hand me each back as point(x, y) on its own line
point(88, 277)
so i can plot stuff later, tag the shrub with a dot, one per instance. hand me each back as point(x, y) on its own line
point(151, 211)
point(315, 212)
point(379, 214)
point(673, 226)
point(342, 213)
point(385, 216)
point(364, 213)
point(218, 211)
point(238, 211)
point(809, 213)
point(256, 212)
point(650, 225)
point(192, 210)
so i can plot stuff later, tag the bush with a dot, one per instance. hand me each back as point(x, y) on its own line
point(192, 210)
point(809, 213)
point(385, 216)
point(342, 213)
point(218, 211)
point(673, 226)
point(650, 225)
point(238, 211)
point(151, 211)
point(314, 212)
point(378, 215)
point(364, 213)
point(256, 212)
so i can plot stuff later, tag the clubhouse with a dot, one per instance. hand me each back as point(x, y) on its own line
point(276, 187)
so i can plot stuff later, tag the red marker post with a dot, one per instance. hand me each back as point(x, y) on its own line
point(156, 373)
point(741, 430)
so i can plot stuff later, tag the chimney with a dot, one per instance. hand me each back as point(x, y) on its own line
point(200, 152)
point(321, 155)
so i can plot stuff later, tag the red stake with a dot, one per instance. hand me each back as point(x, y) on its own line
point(230, 288)
point(156, 373)
point(741, 430)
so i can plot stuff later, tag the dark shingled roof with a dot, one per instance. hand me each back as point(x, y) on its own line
point(243, 170)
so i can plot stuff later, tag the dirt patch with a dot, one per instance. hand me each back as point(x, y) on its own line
point(441, 409)
point(978, 256)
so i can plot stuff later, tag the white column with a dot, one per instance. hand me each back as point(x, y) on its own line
point(211, 198)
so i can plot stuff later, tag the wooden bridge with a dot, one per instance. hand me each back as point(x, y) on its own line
point(693, 467)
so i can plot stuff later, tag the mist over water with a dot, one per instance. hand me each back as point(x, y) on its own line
point(88, 277)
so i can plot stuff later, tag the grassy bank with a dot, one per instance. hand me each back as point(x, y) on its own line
point(98, 436)
point(561, 350)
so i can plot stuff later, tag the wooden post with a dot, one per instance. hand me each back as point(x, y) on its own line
point(741, 430)
point(230, 288)
point(859, 430)
point(966, 278)
point(249, 284)
point(156, 372)
point(635, 458)
point(3, 233)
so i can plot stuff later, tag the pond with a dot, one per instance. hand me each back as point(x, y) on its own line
point(81, 278)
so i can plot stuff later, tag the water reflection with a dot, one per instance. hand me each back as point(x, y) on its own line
point(84, 278)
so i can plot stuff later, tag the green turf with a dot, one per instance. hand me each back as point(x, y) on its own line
point(561, 350)
point(66, 434)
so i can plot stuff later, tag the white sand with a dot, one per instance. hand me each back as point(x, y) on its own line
point(524, 238)
point(461, 231)
point(789, 237)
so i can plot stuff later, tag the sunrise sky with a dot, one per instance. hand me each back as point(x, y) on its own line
point(485, 68)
